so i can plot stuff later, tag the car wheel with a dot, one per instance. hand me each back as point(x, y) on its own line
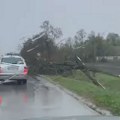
point(19, 82)
point(24, 81)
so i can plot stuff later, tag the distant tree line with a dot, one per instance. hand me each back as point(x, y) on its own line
point(48, 47)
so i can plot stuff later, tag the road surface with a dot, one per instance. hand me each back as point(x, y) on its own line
point(38, 98)
point(110, 68)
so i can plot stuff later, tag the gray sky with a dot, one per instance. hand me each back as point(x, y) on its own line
point(21, 18)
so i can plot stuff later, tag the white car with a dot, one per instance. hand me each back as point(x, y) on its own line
point(13, 68)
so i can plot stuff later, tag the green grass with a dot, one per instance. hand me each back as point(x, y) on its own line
point(81, 85)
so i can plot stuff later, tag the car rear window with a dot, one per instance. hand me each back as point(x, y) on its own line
point(12, 60)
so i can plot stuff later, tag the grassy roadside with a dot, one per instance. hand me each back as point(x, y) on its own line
point(81, 85)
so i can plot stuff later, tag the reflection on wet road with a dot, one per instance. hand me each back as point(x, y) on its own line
point(38, 99)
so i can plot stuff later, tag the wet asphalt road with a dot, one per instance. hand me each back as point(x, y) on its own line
point(37, 99)
point(110, 68)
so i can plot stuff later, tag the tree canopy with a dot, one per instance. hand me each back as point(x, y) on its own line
point(44, 47)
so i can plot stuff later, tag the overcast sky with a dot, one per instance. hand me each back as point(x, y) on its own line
point(21, 18)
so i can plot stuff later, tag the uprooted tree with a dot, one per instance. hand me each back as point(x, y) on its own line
point(44, 55)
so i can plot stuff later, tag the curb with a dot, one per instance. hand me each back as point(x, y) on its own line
point(79, 98)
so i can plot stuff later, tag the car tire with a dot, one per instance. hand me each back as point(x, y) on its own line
point(24, 82)
point(19, 82)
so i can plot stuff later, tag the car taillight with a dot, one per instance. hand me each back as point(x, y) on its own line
point(25, 70)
